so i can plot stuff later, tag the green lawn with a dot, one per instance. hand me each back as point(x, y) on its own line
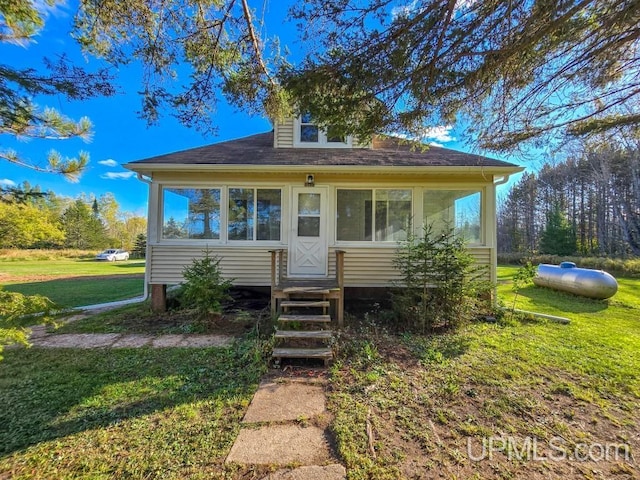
point(405, 406)
point(73, 282)
point(145, 413)
point(67, 267)
point(76, 292)
point(429, 403)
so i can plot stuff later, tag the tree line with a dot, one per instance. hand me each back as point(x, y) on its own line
point(588, 204)
point(46, 220)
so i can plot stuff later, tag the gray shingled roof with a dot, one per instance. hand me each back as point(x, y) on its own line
point(258, 150)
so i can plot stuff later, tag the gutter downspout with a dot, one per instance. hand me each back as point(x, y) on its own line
point(145, 293)
point(502, 181)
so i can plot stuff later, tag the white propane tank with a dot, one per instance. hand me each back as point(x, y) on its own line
point(579, 281)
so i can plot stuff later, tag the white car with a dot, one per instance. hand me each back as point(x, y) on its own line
point(112, 255)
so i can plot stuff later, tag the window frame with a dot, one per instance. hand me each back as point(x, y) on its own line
point(224, 215)
point(373, 241)
point(322, 137)
point(161, 214)
point(254, 240)
point(482, 190)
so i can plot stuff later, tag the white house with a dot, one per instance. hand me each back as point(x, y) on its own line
point(299, 203)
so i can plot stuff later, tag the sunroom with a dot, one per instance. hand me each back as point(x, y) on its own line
point(249, 200)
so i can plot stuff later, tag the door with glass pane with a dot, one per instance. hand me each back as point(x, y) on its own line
point(308, 247)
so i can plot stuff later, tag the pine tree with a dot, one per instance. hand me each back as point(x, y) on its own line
point(140, 246)
point(82, 229)
point(558, 237)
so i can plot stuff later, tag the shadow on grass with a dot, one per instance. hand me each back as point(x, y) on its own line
point(50, 394)
point(79, 291)
point(563, 301)
point(437, 348)
point(130, 265)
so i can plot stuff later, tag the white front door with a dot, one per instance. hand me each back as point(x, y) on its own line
point(308, 247)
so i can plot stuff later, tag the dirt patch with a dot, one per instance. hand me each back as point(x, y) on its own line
point(435, 421)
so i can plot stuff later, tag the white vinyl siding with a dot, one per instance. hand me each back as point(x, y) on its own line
point(251, 266)
point(283, 134)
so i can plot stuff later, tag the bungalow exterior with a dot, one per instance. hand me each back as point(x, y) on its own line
point(299, 203)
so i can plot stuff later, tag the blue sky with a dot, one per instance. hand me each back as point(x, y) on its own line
point(119, 135)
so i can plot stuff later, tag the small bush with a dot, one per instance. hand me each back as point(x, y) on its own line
point(441, 286)
point(204, 288)
point(18, 310)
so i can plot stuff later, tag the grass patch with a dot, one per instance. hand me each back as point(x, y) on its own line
point(70, 278)
point(427, 400)
point(138, 318)
point(76, 292)
point(135, 413)
point(66, 267)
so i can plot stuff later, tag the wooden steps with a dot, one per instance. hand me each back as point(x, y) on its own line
point(321, 334)
point(306, 290)
point(306, 305)
point(322, 353)
point(305, 318)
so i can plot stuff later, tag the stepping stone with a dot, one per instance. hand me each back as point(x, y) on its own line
point(274, 402)
point(280, 445)
point(315, 472)
point(132, 341)
point(164, 341)
point(207, 341)
point(78, 340)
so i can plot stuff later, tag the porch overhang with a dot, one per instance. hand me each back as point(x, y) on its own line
point(149, 168)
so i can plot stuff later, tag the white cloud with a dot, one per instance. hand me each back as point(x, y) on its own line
point(412, 8)
point(441, 133)
point(435, 136)
point(5, 182)
point(404, 10)
point(460, 4)
point(118, 175)
point(109, 163)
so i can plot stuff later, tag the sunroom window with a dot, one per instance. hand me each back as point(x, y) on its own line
point(457, 209)
point(360, 213)
point(191, 213)
point(254, 214)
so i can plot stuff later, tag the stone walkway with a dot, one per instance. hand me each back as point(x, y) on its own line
point(40, 338)
point(286, 424)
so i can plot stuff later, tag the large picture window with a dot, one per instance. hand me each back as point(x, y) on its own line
point(457, 209)
point(191, 213)
point(254, 214)
point(360, 213)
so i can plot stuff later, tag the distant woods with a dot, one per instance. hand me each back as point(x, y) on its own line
point(587, 205)
point(36, 219)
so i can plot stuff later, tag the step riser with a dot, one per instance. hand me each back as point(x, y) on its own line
point(304, 303)
point(305, 334)
point(305, 318)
